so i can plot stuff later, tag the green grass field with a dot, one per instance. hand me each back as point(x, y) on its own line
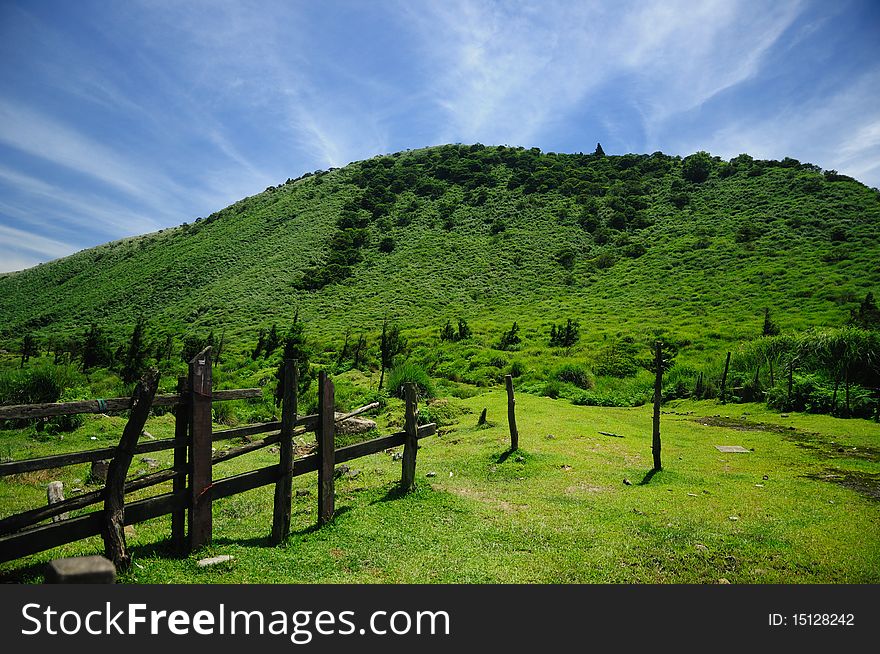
point(800, 507)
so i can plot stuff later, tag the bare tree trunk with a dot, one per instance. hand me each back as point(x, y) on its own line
point(114, 499)
point(724, 378)
point(658, 386)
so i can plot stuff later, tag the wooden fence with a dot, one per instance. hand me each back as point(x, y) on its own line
point(193, 488)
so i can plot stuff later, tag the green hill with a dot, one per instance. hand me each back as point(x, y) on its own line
point(631, 247)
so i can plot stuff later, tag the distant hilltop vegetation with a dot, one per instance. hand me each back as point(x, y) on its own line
point(494, 234)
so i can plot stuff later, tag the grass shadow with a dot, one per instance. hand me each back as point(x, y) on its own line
point(396, 492)
point(316, 526)
point(253, 541)
point(649, 476)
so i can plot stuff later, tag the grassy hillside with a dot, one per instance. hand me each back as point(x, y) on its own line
point(631, 247)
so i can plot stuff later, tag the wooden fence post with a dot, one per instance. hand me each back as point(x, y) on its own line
point(511, 414)
point(326, 448)
point(113, 529)
point(724, 378)
point(411, 442)
point(181, 425)
point(284, 485)
point(658, 387)
point(199, 388)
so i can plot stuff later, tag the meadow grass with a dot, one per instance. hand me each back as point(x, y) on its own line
point(797, 508)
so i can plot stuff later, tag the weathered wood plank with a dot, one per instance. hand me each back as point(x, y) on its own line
point(511, 413)
point(247, 430)
point(52, 535)
point(111, 405)
point(411, 440)
point(308, 423)
point(73, 458)
point(326, 447)
point(181, 445)
point(311, 463)
point(283, 487)
point(245, 481)
point(199, 387)
point(113, 527)
point(27, 518)
point(234, 452)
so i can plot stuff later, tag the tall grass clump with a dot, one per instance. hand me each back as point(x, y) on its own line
point(576, 374)
point(38, 384)
point(409, 373)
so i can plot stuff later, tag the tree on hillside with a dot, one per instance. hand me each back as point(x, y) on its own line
point(272, 339)
point(295, 349)
point(510, 338)
point(95, 349)
point(28, 348)
point(193, 344)
point(464, 331)
point(770, 328)
point(359, 352)
point(447, 333)
point(565, 335)
point(261, 344)
point(696, 167)
point(218, 352)
point(136, 354)
point(867, 316)
point(164, 349)
point(599, 152)
point(391, 343)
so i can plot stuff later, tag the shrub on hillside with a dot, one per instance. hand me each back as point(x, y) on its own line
point(409, 373)
point(696, 167)
point(576, 374)
point(37, 385)
point(552, 389)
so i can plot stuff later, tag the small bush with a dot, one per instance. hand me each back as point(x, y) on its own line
point(552, 389)
point(517, 369)
point(62, 424)
point(409, 373)
point(440, 412)
point(224, 414)
point(576, 374)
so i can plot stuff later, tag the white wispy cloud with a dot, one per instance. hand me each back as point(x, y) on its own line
point(683, 53)
point(838, 131)
point(83, 210)
point(509, 72)
point(21, 249)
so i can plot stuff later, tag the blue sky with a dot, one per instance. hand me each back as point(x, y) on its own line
point(120, 118)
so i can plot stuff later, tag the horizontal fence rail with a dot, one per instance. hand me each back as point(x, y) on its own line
point(113, 405)
point(193, 489)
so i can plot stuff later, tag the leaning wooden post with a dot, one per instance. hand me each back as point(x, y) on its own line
point(511, 414)
point(411, 440)
point(181, 425)
point(199, 388)
point(724, 378)
point(113, 529)
point(658, 386)
point(284, 485)
point(326, 449)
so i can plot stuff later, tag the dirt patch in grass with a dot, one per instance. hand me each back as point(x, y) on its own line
point(585, 488)
point(864, 483)
point(828, 447)
point(500, 505)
